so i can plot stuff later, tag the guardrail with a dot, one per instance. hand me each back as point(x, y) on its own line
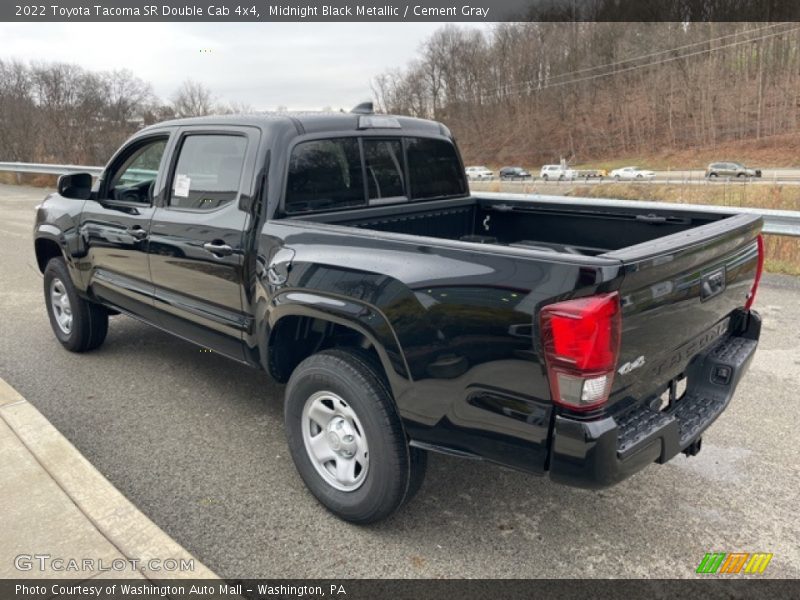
point(45, 169)
point(776, 222)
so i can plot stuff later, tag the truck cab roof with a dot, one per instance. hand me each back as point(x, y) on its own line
point(314, 122)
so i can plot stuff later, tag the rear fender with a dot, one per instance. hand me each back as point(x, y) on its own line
point(358, 316)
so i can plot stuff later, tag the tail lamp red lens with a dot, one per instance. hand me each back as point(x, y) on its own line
point(759, 269)
point(581, 347)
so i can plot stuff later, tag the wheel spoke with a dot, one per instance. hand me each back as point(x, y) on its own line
point(346, 470)
point(321, 449)
point(346, 412)
point(320, 414)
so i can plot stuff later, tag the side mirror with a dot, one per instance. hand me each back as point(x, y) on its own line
point(75, 185)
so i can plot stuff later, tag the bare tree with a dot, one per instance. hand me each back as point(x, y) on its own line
point(234, 108)
point(18, 135)
point(192, 99)
point(537, 91)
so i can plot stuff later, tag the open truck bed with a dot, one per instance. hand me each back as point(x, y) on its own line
point(574, 227)
point(682, 276)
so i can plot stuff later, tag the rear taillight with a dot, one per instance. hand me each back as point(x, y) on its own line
point(759, 269)
point(581, 345)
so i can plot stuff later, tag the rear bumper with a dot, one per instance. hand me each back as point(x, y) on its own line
point(598, 454)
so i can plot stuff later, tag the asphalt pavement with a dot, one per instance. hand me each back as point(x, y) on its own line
point(196, 442)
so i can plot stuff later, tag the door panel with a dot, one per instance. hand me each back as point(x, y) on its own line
point(196, 239)
point(197, 291)
point(114, 226)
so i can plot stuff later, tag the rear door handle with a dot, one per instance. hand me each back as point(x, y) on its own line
point(218, 249)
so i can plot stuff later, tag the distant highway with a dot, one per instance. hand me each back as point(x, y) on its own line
point(689, 177)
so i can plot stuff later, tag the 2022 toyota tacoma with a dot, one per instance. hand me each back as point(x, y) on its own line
point(345, 255)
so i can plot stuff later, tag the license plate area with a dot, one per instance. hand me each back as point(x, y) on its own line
point(675, 391)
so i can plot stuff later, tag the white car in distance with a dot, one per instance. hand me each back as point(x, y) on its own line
point(631, 173)
point(479, 173)
point(556, 173)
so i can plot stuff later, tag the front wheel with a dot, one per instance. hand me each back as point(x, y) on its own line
point(346, 438)
point(80, 325)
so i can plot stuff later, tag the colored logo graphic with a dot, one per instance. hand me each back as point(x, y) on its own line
point(734, 563)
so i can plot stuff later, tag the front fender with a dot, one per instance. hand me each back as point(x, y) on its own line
point(57, 222)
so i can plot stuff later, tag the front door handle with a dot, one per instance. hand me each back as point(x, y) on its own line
point(137, 232)
point(218, 249)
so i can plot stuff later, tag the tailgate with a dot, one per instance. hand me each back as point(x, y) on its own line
point(677, 296)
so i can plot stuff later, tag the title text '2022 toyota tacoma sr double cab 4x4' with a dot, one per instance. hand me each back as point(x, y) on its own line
point(345, 255)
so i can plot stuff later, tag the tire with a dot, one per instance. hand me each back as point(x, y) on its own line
point(342, 392)
point(616, 177)
point(87, 325)
point(710, 175)
point(545, 177)
point(740, 175)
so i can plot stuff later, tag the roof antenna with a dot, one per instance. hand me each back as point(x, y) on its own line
point(365, 108)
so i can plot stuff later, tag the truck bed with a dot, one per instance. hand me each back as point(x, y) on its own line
point(681, 274)
point(569, 228)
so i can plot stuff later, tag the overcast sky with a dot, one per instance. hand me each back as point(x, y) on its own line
point(303, 66)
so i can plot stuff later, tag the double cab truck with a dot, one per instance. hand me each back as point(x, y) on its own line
point(345, 256)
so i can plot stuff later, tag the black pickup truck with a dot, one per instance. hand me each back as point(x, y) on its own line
point(345, 255)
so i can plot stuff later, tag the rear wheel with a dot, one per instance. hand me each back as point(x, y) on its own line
point(712, 175)
point(80, 325)
point(740, 175)
point(346, 438)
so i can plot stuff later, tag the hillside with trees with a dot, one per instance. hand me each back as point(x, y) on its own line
point(532, 93)
point(62, 113)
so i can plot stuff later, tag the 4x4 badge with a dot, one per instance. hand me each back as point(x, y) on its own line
point(631, 365)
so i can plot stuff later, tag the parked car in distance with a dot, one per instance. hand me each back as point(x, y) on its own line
point(514, 173)
point(632, 173)
point(479, 173)
point(731, 169)
point(556, 172)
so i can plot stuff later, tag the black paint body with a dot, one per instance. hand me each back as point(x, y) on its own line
point(453, 322)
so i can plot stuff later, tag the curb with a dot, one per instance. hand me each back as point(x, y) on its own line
point(103, 505)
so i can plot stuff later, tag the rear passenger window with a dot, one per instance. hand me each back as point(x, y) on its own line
point(385, 170)
point(208, 172)
point(325, 175)
point(433, 169)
